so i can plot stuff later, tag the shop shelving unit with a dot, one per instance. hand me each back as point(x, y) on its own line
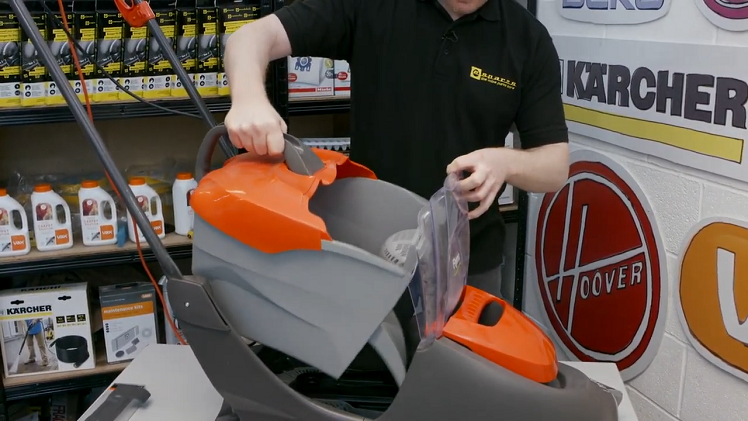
point(79, 256)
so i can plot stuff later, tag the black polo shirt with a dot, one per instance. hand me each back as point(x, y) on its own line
point(427, 89)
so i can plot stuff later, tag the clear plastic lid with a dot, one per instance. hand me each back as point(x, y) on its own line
point(443, 247)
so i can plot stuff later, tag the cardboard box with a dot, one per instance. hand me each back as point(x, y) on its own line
point(45, 330)
point(84, 28)
point(342, 78)
point(206, 79)
point(310, 77)
point(129, 315)
point(63, 407)
point(34, 73)
point(110, 28)
point(60, 47)
point(10, 58)
point(232, 15)
point(186, 47)
point(507, 196)
point(134, 62)
point(160, 74)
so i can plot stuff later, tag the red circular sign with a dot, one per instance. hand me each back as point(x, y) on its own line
point(598, 266)
point(292, 77)
point(342, 75)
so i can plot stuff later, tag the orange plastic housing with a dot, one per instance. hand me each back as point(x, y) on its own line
point(514, 343)
point(263, 204)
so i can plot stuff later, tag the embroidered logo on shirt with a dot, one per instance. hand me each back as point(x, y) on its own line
point(478, 74)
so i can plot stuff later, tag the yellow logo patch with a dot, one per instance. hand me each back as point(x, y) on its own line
point(478, 74)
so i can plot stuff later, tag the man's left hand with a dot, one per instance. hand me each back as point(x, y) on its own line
point(489, 172)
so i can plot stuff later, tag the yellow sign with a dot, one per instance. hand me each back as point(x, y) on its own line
point(478, 74)
point(713, 293)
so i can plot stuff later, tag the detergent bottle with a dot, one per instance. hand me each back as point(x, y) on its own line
point(98, 215)
point(181, 192)
point(14, 239)
point(52, 225)
point(150, 202)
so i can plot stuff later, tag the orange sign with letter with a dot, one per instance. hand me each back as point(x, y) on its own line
point(713, 292)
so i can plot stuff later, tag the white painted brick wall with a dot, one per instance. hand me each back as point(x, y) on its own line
point(680, 384)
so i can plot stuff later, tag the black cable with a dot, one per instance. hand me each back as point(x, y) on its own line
point(106, 74)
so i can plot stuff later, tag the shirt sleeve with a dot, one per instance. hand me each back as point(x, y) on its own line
point(320, 28)
point(540, 120)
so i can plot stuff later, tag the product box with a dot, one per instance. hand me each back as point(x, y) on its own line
point(342, 78)
point(128, 312)
point(507, 195)
point(186, 47)
point(46, 329)
point(84, 28)
point(232, 15)
point(60, 47)
point(110, 28)
point(310, 77)
point(160, 74)
point(206, 79)
point(134, 61)
point(33, 73)
point(10, 58)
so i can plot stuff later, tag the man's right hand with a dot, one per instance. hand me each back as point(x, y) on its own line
point(256, 127)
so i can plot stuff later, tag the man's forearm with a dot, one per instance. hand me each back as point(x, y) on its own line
point(248, 52)
point(539, 170)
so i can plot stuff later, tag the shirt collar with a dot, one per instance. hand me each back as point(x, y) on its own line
point(489, 11)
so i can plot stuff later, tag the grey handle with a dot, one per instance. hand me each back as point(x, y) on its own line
point(299, 157)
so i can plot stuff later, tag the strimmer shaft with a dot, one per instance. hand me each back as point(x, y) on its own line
point(81, 117)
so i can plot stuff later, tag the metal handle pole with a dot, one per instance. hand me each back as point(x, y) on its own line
point(79, 112)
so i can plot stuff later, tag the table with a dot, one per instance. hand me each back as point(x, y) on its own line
point(181, 391)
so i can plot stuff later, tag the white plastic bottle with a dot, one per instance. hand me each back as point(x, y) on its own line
point(181, 192)
point(98, 215)
point(14, 239)
point(52, 225)
point(150, 202)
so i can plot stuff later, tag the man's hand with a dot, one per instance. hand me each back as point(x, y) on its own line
point(488, 175)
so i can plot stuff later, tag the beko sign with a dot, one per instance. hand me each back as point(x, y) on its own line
point(614, 12)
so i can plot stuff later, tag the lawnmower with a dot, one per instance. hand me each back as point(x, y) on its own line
point(362, 312)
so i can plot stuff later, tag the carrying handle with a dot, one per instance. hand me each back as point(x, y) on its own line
point(298, 157)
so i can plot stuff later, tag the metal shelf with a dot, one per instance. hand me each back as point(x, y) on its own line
point(80, 256)
point(318, 106)
point(61, 114)
point(48, 387)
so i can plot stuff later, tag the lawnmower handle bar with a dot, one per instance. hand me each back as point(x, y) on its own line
point(298, 157)
point(166, 46)
point(167, 264)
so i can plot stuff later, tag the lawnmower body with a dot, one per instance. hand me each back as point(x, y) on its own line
point(292, 260)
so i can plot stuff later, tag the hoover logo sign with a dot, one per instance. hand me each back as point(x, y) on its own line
point(730, 15)
point(614, 12)
point(653, 98)
point(713, 292)
point(600, 266)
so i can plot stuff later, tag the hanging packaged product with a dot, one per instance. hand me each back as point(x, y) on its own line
point(182, 191)
point(34, 73)
point(14, 227)
point(310, 77)
point(84, 30)
point(232, 15)
point(186, 50)
point(98, 215)
point(342, 78)
point(206, 79)
point(150, 202)
point(110, 28)
point(10, 66)
point(160, 73)
point(58, 44)
point(52, 226)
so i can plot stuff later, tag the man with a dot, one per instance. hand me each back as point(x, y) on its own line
point(36, 334)
point(438, 84)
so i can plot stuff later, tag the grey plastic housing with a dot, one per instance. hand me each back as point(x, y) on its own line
point(319, 306)
point(445, 382)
